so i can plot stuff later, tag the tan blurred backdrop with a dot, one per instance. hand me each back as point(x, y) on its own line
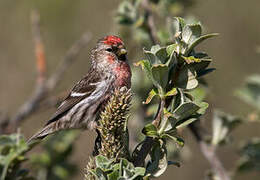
point(62, 22)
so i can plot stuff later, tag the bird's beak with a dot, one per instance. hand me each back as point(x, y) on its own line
point(122, 52)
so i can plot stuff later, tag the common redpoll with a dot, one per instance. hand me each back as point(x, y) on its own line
point(109, 70)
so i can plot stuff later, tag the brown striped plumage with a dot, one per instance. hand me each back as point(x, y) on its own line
point(80, 109)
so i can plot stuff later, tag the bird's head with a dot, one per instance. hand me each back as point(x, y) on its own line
point(109, 50)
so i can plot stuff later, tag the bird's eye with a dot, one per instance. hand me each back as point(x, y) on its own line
point(109, 49)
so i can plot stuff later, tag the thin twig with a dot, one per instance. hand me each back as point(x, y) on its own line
point(43, 86)
point(39, 48)
point(150, 22)
point(39, 90)
point(69, 58)
point(209, 153)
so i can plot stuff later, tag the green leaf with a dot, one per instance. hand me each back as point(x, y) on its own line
point(139, 22)
point(250, 93)
point(103, 162)
point(56, 152)
point(199, 94)
point(172, 54)
point(200, 67)
point(191, 59)
point(162, 55)
point(157, 55)
point(159, 162)
point(198, 41)
point(191, 32)
point(168, 122)
point(160, 74)
point(42, 159)
point(12, 150)
point(113, 176)
point(127, 171)
point(187, 79)
point(61, 172)
point(203, 107)
point(151, 57)
point(245, 165)
point(223, 124)
point(100, 174)
point(138, 171)
point(171, 48)
point(185, 110)
point(150, 130)
point(172, 92)
point(250, 156)
point(146, 67)
point(185, 123)
point(155, 48)
point(126, 13)
point(178, 25)
point(151, 95)
point(156, 73)
point(178, 140)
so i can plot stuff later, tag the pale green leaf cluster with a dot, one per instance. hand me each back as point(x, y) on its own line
point(174, 71)
point(222, 126)
point(250, 92)
point(250, 156)
point(12, 150)
point(53, 162)
point(110, 169)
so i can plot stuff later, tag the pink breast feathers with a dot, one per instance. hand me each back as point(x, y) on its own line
point(123, 73)
point(110, 59)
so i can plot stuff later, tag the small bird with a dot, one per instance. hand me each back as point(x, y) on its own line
point(80, 109)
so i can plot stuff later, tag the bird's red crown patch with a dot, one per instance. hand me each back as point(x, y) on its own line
point(112, 40)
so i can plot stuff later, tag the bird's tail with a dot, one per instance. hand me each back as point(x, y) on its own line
point(47, 130)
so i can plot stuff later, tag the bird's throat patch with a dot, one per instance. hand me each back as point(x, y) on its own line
point(123, 73)
point(110, 59)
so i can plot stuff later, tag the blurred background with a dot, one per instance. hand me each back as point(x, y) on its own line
point(235, 53)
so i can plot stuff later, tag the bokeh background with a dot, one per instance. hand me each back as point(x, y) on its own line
point(235, 54)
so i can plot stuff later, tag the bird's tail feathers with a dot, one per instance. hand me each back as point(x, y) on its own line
point(47, 130)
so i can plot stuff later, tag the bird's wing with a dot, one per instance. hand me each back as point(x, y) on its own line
point(80, 91)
